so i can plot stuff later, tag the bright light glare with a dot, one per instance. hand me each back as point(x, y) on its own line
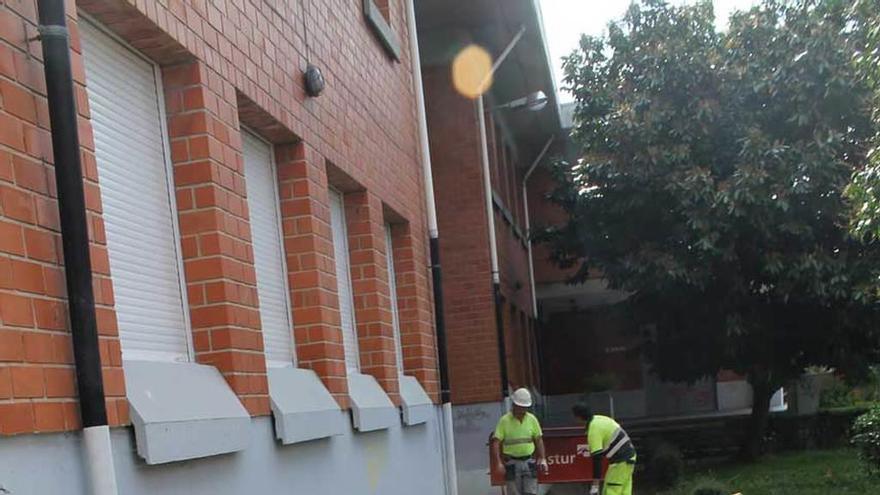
point(472, 71)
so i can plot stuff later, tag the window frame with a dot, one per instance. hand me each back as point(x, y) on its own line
point(273, 166)
point(170, 189)
point(392, 295)
point(345, 249)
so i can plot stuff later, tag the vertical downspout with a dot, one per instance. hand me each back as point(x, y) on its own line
point(74, 234)
point(493, 249)
point(490, 214)
point(434, 245)
point(525, 193)
point(537, 325)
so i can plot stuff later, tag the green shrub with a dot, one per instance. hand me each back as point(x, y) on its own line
point(837, 395)
point(599, 382)
point(709, 486)
point(665, 465)
point(866, 436)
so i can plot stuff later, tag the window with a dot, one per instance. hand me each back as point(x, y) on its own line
point(139, 211)
point(377, 13)
point(343, 282)
point(392, 293)
point(262, 192)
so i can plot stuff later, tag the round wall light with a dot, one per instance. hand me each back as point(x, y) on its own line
point(314, 81)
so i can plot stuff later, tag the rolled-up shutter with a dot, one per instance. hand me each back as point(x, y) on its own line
point(392, 292)
point(142, 241)
point(343, 282)
point(262, 191)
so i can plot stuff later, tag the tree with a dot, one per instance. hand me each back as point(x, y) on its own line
point(864, 191)
point(710, 185)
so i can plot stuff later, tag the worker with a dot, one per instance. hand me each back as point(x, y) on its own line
point(607, 440)
point(518, 447)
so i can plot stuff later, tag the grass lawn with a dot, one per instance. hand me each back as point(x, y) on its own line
point(799, 473)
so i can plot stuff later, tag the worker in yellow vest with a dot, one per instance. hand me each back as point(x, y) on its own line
point(518, 447)
point(607, 439)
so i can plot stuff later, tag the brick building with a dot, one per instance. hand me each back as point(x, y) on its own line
point(259, 255)
point(516, 136)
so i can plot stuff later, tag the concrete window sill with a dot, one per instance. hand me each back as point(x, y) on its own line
point(303, 408)
point(183, 411)
point(371, 407)
point(417, 407)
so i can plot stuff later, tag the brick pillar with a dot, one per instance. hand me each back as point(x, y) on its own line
point(369, 277)
point(415, 308)
point(214, 229)
point(308, 245)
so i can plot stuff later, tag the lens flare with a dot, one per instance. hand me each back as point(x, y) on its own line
point(472, 71)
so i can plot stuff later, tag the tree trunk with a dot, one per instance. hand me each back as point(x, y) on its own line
point(762, 392)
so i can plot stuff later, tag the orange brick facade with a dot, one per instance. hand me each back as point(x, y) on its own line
point(224, 65)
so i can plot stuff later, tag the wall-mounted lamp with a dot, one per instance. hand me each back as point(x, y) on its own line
point(314, 80)
point(534, 102)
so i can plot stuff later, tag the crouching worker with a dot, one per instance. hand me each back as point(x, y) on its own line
point(607, 439)
point(518, 448)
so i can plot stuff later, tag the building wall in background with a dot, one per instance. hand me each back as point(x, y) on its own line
point(464, 246)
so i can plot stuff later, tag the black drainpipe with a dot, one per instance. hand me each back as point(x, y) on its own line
point(72, 208)
point(440, 321)
point(502, 346)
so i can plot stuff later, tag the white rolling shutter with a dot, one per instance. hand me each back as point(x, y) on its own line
point(343, 282)
point(139, 212)
point(262, 192)
point(392, 292)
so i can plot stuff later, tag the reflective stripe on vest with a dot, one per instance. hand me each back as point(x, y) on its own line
point(516, 441)
point(618, 441)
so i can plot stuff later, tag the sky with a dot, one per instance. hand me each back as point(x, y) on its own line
point(566, 20)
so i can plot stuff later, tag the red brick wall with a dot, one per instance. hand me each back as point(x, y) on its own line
point(37, 378)
point(464, 246)
point(415, 305)
point(544, 213)
point(464, 242)
point(214, 55)
point(214, 229)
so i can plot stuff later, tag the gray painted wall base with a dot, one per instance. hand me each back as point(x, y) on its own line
point(473, 423)
point(396, 461)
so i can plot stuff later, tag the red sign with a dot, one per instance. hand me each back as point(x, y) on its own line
point(569, 460)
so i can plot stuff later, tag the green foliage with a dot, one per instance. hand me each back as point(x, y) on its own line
point(665, 465)
point(709, 486)
point(812, 472)
point(837, 395)
point(864, 191)
point(866, 437)
point(711, 185)
point(600, 382)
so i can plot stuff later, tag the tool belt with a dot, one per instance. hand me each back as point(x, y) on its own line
point(510, 467)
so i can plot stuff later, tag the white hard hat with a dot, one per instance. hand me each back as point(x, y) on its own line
point(522, 398)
